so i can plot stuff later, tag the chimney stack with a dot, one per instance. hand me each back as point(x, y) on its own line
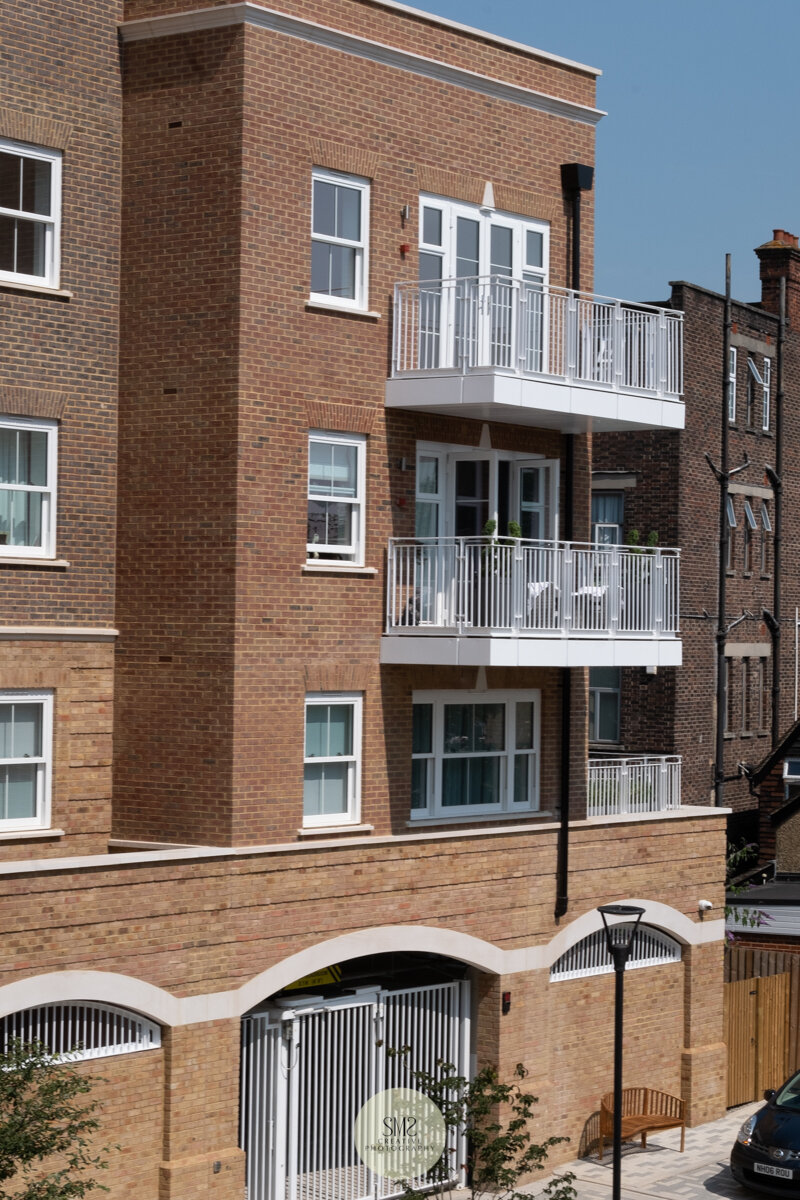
point(780, 257)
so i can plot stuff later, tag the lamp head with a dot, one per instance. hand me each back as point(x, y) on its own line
point(617, 935)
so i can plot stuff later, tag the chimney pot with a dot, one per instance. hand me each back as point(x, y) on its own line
point(786, 239)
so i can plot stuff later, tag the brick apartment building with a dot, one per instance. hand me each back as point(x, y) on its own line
point(353, 597)
point(662, 482)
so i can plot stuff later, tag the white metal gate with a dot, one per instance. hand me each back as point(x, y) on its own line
point(309, 1065)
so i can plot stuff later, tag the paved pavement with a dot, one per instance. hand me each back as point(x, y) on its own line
point(661, 1172)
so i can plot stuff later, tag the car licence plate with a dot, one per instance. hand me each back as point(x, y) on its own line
point(768, 1169)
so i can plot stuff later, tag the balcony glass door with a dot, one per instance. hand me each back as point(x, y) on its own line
point(483, 276)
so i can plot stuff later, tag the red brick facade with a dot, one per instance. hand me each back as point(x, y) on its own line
point(199, 894)
point(677, 495)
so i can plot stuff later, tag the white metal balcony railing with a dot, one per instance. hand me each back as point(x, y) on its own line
point(531, 588)
point(616, 786)
point(529, 329)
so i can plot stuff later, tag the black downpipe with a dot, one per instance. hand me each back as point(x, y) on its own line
point(724, 536)
point(777, 484)
point(574, 178)
point(562, 856)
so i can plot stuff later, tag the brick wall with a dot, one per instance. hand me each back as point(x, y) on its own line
point(676, 493)
point(225, 370)
point(60, 89)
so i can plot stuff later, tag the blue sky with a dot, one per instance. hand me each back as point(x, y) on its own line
point(699, 152)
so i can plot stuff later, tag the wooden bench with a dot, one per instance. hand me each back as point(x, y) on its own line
point(644, 1110)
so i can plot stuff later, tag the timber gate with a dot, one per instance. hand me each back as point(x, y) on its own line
point(762, 1009)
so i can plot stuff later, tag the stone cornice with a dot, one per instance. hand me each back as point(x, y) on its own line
point(335, 39)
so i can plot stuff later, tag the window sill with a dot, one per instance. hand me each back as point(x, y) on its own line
point(767, 433)
point(59, 563)
point(471, 819)
point(316, 831)
point(321, 306)
point(729, 736)
point(36, 289)
point(337, 569)
point(27, 835)
point(746, 733)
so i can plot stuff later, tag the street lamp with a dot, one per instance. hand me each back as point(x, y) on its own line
point(619, 939)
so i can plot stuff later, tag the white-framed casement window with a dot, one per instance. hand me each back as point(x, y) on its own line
point(28, 450)
point(732, 384)
point(730, 544)
point(765, 406)
point(332, 759)
point(336, 487)
point(30, 213)
point(607, 513)
point(766, 527)
point(474, 754)
point(748, 538)
point(339, 238)
point(26, 752)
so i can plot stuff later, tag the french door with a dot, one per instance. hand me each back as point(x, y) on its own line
point(307, 1069)
point(484, 275)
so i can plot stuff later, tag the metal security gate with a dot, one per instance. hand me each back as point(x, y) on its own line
point(308, 1067)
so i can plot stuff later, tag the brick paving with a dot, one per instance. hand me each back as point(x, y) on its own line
point(661, 1172)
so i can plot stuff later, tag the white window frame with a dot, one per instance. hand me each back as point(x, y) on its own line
point(519, 225)
point(732, 385)
point(445, 499)
point(353, 553)
point(765, 410)
point(434, 809)
point(352, 816)
point(48, 546)
point(754, 380)
point(51, 223)
point(360, 245)
point(41, 818)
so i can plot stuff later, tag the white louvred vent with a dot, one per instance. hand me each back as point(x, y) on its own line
point(590, 956)
point(81, 1030)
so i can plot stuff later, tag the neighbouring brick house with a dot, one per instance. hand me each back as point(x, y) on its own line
point(662, 482)
point(350, 727)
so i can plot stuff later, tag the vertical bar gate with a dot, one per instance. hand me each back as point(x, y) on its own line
point(307, 1071)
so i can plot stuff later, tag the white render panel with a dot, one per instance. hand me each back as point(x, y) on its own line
point(547, 404)
point(530, 652)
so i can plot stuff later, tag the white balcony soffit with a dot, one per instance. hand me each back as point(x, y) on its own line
point(496, 651)
point(491, 395)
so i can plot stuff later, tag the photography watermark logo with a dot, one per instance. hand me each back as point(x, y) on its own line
point(399, 1133)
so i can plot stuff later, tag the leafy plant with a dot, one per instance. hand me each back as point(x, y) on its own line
point(634, 540)
point(495, 1119)
point(737, 857)
point(45, 1128)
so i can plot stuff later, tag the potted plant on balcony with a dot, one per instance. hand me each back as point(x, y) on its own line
point(489, 594)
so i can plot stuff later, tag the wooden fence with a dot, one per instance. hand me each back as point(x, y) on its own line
point(762, 1019)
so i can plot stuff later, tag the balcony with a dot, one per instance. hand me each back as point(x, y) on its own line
point(512, 602)
point(499, 349)
point(618, 787)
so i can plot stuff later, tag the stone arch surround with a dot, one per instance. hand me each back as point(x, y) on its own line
point(160, 1005)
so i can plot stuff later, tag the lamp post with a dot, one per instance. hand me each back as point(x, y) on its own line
point(619, 939)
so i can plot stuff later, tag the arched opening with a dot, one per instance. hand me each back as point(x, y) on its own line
point(81, 1030)
point(315, 1052)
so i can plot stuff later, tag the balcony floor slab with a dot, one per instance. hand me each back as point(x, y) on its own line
point(493, 395)
point(455, 651)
